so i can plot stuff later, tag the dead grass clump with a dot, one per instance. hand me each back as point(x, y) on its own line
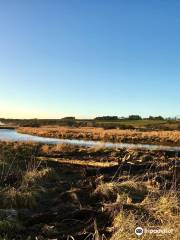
point(167, 207)
point(45, 148)
point(125, 225)
point(63, 148)
point(19, 198)
point(137, 191)
point(164, 211)
point(35, 176)
point(107, 191)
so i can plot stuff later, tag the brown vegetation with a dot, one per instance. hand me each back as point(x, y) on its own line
point(49, 192)
point(114, 135)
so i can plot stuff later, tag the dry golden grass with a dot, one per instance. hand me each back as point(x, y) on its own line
point(116, 205)
point(56, 148)
point(79, 162)
point(129, 136)
point(35, 176)
point(164, 210)
point(135, 191)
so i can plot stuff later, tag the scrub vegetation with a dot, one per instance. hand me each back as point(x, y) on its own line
point(68, 192)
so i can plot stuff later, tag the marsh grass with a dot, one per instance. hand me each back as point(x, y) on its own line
point(88, 202)
point(114, 135)
point(21, 175)
point(136, 204)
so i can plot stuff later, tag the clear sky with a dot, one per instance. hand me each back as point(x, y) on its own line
point(89, 58)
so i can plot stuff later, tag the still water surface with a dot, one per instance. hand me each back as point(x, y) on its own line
point(13, 135)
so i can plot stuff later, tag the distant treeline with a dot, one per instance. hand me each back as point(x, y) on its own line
point(106, 122)
point(131, 117)
point(37, 122)
point(67, 121)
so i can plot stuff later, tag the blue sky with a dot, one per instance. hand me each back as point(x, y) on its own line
point(87, 58)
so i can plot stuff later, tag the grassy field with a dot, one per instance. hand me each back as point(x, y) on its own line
point(66, 192)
